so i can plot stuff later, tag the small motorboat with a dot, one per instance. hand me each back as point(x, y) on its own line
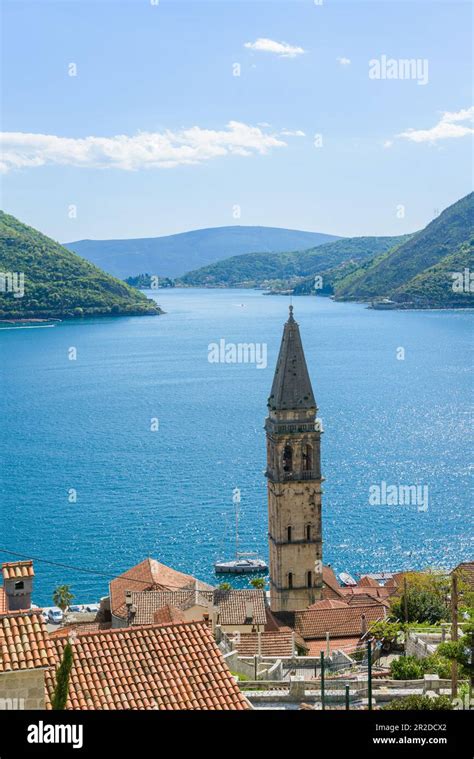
point(347, 580)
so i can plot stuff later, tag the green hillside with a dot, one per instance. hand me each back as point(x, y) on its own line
point(422, 262)
point(257, 269)
point(57, 283)
point(438, 285)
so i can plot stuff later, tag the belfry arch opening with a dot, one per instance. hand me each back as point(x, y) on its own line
point(307, 458)
point(288, 458)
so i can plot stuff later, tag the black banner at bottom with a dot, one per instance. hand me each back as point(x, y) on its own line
point(377, 733)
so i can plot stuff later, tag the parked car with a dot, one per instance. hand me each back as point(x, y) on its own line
point(93, 608)
point(76, 608)
point(55, 615)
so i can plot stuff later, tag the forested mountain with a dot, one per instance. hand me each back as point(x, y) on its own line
point(56, 282)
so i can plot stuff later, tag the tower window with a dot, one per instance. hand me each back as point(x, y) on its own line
point(19, 585)
point(309, 578)
point(289, 534)
point(288, 459)
point(290, 579)
point(308, 532)
point(307, 458)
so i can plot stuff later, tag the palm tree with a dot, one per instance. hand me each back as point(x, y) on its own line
point(62, 597)
point(258, 583)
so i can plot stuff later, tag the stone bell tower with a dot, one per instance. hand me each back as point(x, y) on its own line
point(294, 480)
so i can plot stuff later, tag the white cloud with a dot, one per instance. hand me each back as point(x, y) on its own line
point(446, 128)
point(388, 144)
point(344, 61)
point(130, 153)
point(283, 49)
point(292, 133)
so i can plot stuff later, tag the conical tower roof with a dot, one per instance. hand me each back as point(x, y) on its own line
point(291, 388)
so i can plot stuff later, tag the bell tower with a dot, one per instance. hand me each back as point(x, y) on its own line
point(294, 480)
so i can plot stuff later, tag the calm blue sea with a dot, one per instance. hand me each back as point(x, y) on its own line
point(85, 425)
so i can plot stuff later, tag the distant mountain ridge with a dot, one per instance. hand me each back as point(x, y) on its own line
point(173, 255)
point(257, 270)
point(56, 282)
point(428, 269)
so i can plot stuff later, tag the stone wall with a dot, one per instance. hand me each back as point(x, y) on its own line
point(22, 690)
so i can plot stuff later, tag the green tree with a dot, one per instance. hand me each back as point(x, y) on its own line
point(385, 631)
point(61, 688)
point(225, 586)
point(62, 597)
point(426, 598)
point(258, 582)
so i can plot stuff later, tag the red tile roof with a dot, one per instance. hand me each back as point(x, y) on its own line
point(331, 587)
point(24, 642)
point(147, 602)
point(3, 601)
point(348, 645)
point(167, 614)
point(368, 582)
point(147, 575)
point(270, 643)
point(380, 593)
point(232, 605)
point(15, 570)
point(328, 603)
point(165, 667)
point(79, 627)
point(343, 621)
point(365, 599)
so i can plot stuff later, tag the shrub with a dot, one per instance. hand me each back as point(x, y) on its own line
point(407, 668)
point(419, 703)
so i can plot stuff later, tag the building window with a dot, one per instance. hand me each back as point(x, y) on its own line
point(307, 458)
point(288, 459)
point(288, 530)
point(20, 585)
point(290, 580)
point(308, 532)
point(310, 579)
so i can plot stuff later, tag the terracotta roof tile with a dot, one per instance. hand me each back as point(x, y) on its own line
point(147, 575)
point(343, 621)
point(167, 614)
point(165, 667)
point(365, 599)
point(232, 605)
point(348, 645)
point(328, 603)
point(368, 582)
point(270, 643)
point(24, 642)
point(331, 587)
point(3, 601)
point(15, 570)
point(79, 627)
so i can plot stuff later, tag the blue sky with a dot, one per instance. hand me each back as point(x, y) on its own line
point(198, 141)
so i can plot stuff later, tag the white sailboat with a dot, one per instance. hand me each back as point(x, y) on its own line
point(244, 562)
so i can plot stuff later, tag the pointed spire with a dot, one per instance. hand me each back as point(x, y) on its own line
point(291, 388)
